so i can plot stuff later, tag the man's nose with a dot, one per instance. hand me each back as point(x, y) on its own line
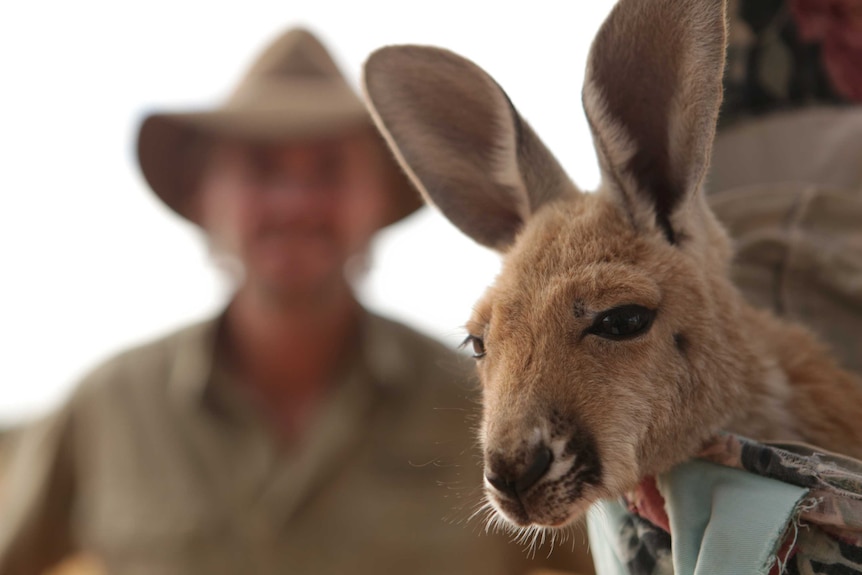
point(291, 194)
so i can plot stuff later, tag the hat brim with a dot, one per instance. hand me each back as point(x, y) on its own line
point(173, 147)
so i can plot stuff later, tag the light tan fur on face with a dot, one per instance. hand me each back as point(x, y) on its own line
point(571, 416)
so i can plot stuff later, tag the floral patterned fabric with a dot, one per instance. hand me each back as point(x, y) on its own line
point(824, 536)
point(790, 54)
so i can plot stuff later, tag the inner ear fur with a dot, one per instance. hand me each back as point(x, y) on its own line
point(652, 92)
point(457, 135)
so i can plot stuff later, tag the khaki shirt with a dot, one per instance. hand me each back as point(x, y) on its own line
point(158, 464)
point(788, 187)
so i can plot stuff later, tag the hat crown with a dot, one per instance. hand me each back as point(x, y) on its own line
point(295, 59)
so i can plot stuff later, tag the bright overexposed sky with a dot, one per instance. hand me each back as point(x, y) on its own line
point(92, 262)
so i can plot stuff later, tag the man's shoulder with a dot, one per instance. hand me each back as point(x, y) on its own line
point(410, 338)
point(151, 360)
point(418, 349)
point(415, 360)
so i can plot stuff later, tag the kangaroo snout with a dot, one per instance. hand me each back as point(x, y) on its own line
point(537, 480)
point(512, 478)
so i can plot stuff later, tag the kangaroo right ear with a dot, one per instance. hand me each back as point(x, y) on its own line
point(652, 92)
point(460, 140)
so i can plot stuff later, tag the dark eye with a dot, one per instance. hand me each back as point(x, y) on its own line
point(478, 345)
point(623, 322)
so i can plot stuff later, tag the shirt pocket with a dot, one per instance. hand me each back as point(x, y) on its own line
point(150, 513)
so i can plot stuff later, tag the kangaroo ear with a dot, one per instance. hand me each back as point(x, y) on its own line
point(651, 94)
point(460, 140)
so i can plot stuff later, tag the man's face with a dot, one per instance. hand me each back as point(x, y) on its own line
point(293, 214)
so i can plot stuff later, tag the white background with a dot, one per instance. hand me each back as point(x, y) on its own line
point(92, 262)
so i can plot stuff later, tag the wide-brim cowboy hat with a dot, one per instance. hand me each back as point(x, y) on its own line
point(294, 91)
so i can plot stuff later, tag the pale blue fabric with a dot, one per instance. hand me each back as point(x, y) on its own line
point(604, 523)
point(723, 521)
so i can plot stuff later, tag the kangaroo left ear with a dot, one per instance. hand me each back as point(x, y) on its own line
point(459, 138)
point(652, 92)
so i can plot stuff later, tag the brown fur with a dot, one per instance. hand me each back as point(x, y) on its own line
point(608, 411)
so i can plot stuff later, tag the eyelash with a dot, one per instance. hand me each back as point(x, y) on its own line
point(478, 346)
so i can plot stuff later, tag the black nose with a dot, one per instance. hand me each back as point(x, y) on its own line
point(513, 479)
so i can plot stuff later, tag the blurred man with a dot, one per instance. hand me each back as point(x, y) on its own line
point(294, 433)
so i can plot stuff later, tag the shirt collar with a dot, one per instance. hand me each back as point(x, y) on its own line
point(192, 367)
point(383, 351)
point(381, 357)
